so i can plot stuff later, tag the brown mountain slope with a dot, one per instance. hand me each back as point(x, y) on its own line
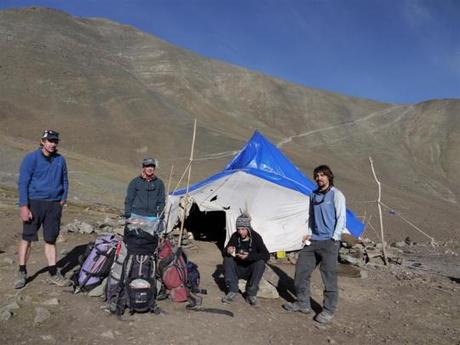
point(117, 94)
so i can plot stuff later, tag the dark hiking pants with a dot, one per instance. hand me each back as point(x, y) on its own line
point(251, 272)
point(325, 254)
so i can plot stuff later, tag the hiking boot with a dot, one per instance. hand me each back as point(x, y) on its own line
point(229, 298)
point(252, 300)
point(59, 280)
point(21, 280)
point(293, 307)
point(324, 317)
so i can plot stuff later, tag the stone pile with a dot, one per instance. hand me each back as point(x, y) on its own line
point(108, 225)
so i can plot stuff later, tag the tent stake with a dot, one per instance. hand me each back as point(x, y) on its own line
point(385, 261)
point(188, 184)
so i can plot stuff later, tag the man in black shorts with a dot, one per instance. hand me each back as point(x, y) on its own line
point(43, 187)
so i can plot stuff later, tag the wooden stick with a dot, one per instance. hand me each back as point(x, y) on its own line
point(380, 211)
point(167, 197)
point(188, 184)
point(169, 180)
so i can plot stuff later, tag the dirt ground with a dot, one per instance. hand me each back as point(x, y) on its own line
point(413, 304)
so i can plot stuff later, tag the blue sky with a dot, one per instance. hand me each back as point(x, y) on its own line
point(397, 51)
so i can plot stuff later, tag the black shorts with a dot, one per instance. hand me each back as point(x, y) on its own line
point(46, 213)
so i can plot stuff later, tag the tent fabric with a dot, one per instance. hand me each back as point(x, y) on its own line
point(262, 181)
point(279, 215)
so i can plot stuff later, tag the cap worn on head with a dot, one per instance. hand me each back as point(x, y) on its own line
point(49, 134)
point(243, 221)
point(149, 161)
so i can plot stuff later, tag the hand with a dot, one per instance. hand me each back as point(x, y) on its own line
point(25, 214)
point(63, 203)
point(306, 238)
point(242, 256)
point(231, 250)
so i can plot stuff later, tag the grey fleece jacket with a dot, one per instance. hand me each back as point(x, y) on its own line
point(145, 198)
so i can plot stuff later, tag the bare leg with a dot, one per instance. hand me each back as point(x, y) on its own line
point(50, 253)
point(24, 252)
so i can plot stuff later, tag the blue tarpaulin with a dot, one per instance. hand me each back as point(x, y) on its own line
point(261, 158)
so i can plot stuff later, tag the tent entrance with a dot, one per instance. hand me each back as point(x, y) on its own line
point(207, 226)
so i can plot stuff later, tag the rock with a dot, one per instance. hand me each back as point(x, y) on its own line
point(48, 338)
point(352, 260)
point(350, 241)
point(41, 315)
point(108, 334)
point(5, 315)
point(7, 260)
point(61, 238)
point(20, 298)
point(119, 230)
point(400, 244)
point(71, 227)
point(99, 290)
point(12, 306)
point(78, 226)
point(368, 242)
point(52, 301)
point(380, 245)
point(85, 228)
point(292, 257)
point(271, 276)
point(266, 290)
point(364, 274)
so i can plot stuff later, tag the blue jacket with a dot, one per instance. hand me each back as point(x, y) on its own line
point(42, 178)
point(327, 215)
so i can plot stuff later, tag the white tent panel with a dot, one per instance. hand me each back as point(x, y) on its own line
point(278, 214)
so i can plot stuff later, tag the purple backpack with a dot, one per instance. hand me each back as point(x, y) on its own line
point(97, 264)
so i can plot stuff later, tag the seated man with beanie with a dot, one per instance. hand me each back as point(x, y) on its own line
point(244, 257)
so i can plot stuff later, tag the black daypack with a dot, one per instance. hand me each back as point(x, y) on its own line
point(136, 288)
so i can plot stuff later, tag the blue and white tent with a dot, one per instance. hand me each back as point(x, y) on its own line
point(262, 181)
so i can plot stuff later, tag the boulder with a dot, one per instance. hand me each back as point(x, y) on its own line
point(99, 290)
point(52, 301)
point(266, 290)
point(41, 315)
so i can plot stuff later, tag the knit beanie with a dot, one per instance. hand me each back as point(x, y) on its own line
point(243, 221)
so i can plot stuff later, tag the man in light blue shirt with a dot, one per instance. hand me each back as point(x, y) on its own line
point(327, 220)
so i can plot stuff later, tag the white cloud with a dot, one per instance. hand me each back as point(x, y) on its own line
point(416, 14)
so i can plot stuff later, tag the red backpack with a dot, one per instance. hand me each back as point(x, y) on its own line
point(172, 267)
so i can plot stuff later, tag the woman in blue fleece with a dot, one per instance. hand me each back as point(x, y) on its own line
point(327, 220)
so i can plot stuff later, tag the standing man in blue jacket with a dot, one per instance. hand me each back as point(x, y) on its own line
point(146, 193)
point(43, 186)
point(327, 220)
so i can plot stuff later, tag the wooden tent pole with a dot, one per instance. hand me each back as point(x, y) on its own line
point(169, 180)
point(385, 261)
point(188, 184)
